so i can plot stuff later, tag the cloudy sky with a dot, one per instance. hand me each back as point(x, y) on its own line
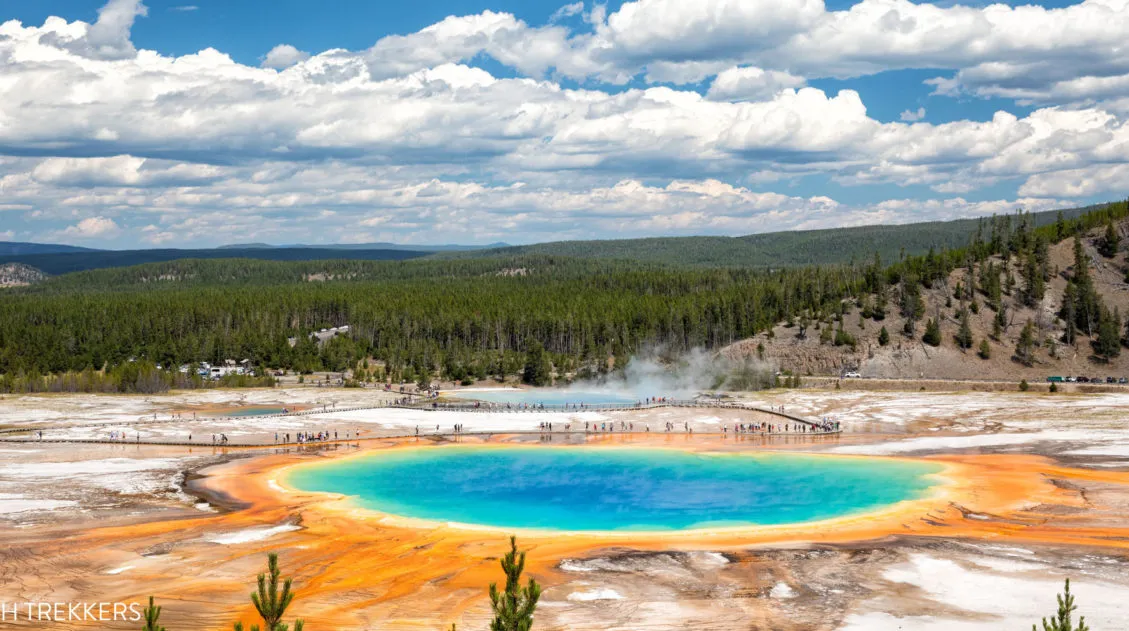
point(163, 123)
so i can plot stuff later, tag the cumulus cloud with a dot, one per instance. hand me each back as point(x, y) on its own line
point(567, 11)
point(284, 56)
point(121, 171)
point(1107, 179)
point(107, 38)
point(92, 227)
point(912, 116)
point(408, 134)
point(751, 84)
point(1032, 53)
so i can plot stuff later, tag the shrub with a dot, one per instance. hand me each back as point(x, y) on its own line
point(932, 335)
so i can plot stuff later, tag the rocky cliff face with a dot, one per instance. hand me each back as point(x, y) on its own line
point(18, 275)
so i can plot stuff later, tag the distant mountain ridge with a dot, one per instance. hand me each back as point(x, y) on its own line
point(66, 262)
point(446, 247)
point(10, 248)
point(832, 246)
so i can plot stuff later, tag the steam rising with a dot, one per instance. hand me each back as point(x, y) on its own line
point(682, 376)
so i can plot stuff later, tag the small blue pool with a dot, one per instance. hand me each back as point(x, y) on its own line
point(548, 397)
point(254, 411)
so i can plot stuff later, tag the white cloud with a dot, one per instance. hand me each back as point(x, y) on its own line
point(108, 37)
point(185, 8)
point(121, 171)
point(911, 116)
point(404, 136)
point(154, 235)
point(751, 84)
point(567, 11)
point(1043, 55)
point(92, 227)
point(1106, 179)
point(283, 56)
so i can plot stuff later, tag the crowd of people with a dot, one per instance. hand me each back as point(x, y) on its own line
point(822, 427)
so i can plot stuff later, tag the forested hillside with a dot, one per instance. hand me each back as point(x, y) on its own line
point(840, 246)
point(419, 319)
point(782, 249)
point(468, 319)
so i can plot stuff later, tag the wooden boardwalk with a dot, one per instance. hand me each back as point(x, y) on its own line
point(813, 428)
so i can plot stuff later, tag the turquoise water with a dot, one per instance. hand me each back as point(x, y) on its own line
point(548, 397)
point(566, 488)
point(254, 411)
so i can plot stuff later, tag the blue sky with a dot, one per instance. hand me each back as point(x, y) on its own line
point(516, 121)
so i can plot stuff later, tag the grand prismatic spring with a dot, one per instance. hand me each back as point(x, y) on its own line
point(651, 525)
point(601, 489)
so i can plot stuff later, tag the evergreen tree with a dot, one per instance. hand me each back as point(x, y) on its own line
point(1025, 347)
point(1110, 241)
point(994, 291)
point(1108, 344)
point(1061, 621)
point(999, 322)
point(514, 607)
point(152, 615)
point(1068, 313)
point(985, 350)
point(911, 305)
point(932, 335)
point(271, 604)
point(964, 334)
point(1087, 304)
point(1034, 284)
point(884, 337)
point(538, 370)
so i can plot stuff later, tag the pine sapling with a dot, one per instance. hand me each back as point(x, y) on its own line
point(270, 604)
point(1061, 620)
point(152, 615)
point(513, 608)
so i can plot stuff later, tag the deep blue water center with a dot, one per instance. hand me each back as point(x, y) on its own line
point(548, 397)
point(594, 488)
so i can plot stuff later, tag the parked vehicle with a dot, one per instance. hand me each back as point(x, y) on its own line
point(1081, 379)
point(1055, 379)
point(1111, 380)
point(851, 375)
point(1072, 379)
point(1123, 380)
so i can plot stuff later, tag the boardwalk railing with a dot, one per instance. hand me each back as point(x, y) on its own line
point(448, 406)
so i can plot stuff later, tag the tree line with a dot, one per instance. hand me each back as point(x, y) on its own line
point(128, 329)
